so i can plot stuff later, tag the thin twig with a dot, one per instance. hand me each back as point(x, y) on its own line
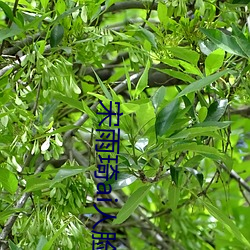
point(235, 176)
point(148, 14)
point(244, 195)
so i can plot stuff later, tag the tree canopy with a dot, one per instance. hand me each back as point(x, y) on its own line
point(175, 76)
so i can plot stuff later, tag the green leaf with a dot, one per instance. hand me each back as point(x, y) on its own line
point(197, 85)
point(143, 81)
point(189, 68)
point(216, 110)
point(123, 180)
point(194, 161)
point(67, 13)
point(193, 132)
point(166, 117)
point(49, 244)
point(100, 97)
point(44, 3)
point(214, 61)
point(223, 41)
point(13, 246)
point(202, 114)
point(127, 77)
point(9, 211)
point(188, 105)
point(147, 35)
point(34, 183)
point(49, 110)
point(70, 101)
point(173, 196)
point(162, 12)
point(36, 21)
point(219, 125)
point(198, 175)
point(104, 89)
point(245, 2)
point(66, 172)
point(92, 210)
point(207, 46)
point(89, 111)
point(108, 3)
point(244, 45)
point(237, 32)
point(177, 74)
point(129, 108)
point(8, 180)
point(204, 150)
point(56, 35)
point(241, 40)
point(202, 100)
point(132, 203)
point(19, 20)
point(9, 32)
point(186, 54)
point(7, 10)
point(227, 223)
point(56, 131)
point(174, 172)
point(158, 97)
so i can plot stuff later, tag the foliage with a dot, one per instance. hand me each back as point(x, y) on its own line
point(180, 70)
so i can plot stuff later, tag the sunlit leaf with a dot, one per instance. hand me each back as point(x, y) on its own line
point(132, 203)
point(214, 61)
point(185, 54)
point(34, 183)
point(173, 196)
point(8, 180)
point(162, 12)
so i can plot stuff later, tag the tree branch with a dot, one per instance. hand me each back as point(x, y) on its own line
point(16, 63)
point(21, 44)
point(236, 177)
